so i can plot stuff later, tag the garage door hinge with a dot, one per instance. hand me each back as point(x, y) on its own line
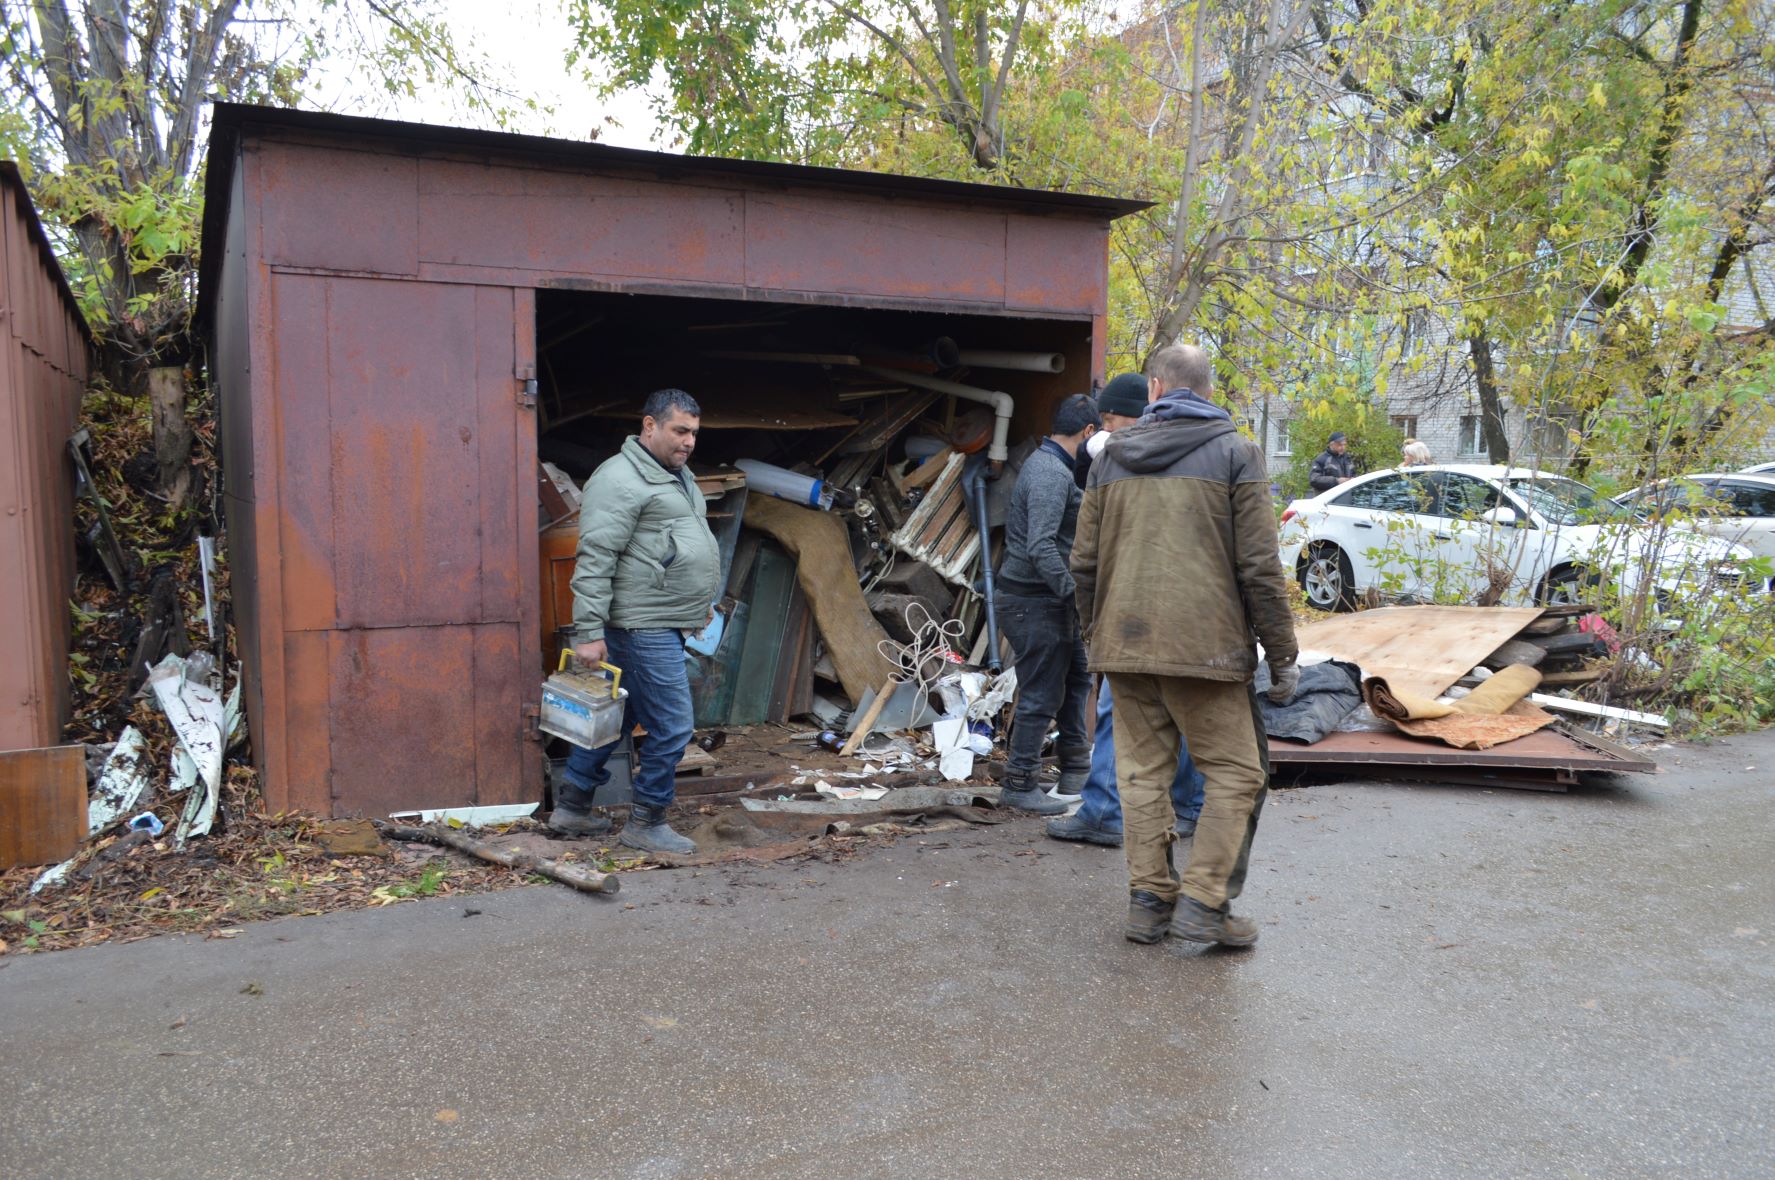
point(527, 394)
point(533, 722)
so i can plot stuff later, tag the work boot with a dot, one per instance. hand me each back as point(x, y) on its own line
point(648, 831)
point(1149, 916)
point(572, 815)
point(573, 822)
point(1077, 827)
point(1198, 923)
point(1021, 794)
point(1075, 768)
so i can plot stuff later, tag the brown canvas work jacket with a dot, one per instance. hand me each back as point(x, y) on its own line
point(1176, 554)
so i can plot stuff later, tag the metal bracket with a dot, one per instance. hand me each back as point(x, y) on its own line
point(527, 394)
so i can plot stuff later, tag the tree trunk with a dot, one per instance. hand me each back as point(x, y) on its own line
point(173, 437)
point(1491, 405)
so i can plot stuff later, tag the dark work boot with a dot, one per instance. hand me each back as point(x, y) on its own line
point(1075, 768)
point(1021, 794)
point(1198, 923)
point(1149, 916)
point(648, 831)
point(573, 814)
point(1076, 827)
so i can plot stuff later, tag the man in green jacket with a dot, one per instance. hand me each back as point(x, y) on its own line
point(1176, 567)
point(646, 576)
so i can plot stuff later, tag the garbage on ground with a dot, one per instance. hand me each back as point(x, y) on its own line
point(1452, 692)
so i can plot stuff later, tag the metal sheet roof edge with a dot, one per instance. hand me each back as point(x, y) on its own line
point(230, 122)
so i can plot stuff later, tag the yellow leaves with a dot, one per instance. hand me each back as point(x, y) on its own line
point(1599, 97)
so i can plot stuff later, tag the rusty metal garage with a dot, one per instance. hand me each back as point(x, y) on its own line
point(43, 373)
point(372, 293)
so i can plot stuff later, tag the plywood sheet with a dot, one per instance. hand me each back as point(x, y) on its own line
point(1553, 748)
point(42, 805)
point(1421, 649)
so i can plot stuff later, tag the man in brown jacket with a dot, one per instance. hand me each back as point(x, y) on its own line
point(1177, 569)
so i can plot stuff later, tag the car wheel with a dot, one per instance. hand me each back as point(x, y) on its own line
point(1325, 578)
point(1568, 586)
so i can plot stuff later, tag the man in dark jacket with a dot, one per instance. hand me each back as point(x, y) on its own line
point(1035, 607)
point(1334, 465)
point(1176, 565)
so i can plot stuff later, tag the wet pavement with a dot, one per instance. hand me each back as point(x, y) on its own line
point(1451, 981)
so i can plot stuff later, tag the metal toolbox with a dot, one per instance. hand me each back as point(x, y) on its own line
point(584, 706)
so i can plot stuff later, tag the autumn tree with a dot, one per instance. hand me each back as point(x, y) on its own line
point(103, 100)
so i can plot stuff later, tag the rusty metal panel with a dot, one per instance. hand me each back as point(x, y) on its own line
point(338, 209)
point(307, 781)
point(41, 383)
point(1056, 265)
point(402, 718)
point(835, 244)
point(403, 453)
point(558, 222)
point(299, 341)
point(501, 673)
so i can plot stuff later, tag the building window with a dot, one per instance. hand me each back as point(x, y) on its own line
point(1472, 435)
point(1280, 444)
point(1406, 424)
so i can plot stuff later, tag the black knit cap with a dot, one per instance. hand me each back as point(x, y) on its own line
point(1125, 395)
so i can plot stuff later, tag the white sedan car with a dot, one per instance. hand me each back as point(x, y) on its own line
point(1737, 507)
point(1760, 469)
point(1459, 533)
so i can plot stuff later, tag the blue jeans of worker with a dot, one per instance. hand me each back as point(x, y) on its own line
point(1102, 806)
point(658, 683)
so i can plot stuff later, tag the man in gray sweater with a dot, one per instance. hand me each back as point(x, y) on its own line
point(1039, 616)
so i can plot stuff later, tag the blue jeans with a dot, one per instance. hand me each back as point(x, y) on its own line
point(1102, 807)
point(658, 683)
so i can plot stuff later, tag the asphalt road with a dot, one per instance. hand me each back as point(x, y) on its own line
point(1450, 982)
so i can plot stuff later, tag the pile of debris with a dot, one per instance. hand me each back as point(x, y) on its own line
point(1459, 694)
point(856, 570)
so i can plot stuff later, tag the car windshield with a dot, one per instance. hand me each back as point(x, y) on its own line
point(1566, 501)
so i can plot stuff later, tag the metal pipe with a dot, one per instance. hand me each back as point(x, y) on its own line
point(976, 489)
point(1024, 362)
point(1001, 403)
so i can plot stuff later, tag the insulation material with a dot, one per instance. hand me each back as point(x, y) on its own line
point(823, 567)
point(1495, 712)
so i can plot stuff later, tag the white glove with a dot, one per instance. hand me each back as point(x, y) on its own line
point(1284, 683)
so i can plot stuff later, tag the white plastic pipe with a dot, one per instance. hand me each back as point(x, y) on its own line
point(786, 485)
point(1001, 403)
point(1024, 362)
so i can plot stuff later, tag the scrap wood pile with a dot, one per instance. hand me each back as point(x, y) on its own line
point(1491, 688)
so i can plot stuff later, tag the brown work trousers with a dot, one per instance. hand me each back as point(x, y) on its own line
point(1219, 719)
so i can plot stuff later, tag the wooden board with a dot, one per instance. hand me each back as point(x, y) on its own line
point(42, 805)
point(1421, 649)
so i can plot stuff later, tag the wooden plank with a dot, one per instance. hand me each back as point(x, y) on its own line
point(42, 805)
point(1421, 649)
point(869, 718)
point(1546, 749)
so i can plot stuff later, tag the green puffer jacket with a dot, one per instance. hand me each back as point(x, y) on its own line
point(646, 556)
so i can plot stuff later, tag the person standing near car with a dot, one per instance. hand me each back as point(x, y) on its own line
point(1035, 607)
point(1334, 465)
point(1176, 566)
point(1098, 819)
point(647, 570)
point(1413, 453)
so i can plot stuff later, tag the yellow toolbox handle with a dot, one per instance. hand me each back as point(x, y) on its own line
point(615, 672)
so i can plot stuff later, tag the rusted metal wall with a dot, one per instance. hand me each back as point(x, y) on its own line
point(42, 375)
point(374, 317)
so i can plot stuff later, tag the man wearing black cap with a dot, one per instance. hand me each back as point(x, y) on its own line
point(1334, 465)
